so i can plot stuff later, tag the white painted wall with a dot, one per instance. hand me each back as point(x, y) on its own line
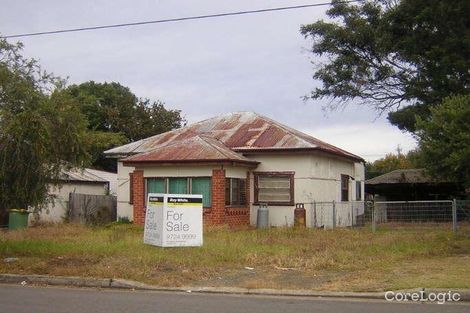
point(124, 208)
point(317, 178)
point(56, 209)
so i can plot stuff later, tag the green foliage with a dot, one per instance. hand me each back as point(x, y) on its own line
point(389, 54)
point(116, 116)
point(41, 130)
point(445, 140)
point(393, 162)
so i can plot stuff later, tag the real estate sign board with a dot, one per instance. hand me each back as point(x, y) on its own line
point(173, 220)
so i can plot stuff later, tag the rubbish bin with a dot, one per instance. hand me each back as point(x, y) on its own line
point(18, 219)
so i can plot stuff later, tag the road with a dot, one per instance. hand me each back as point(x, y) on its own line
point(19, 299)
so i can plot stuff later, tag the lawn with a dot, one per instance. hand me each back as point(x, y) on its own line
point(341, 259)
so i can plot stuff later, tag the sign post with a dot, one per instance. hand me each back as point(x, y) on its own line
point(173, 220)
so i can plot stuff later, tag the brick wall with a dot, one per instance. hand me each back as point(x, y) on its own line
point(217, 211)
point(138, 189)
point(218, 214)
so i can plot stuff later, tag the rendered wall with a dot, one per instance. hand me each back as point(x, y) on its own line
point(317, 178)
point(56, 210)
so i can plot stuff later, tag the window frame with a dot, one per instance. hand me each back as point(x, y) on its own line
point(167, 184)
point(288, 174)
point(344, 178)
point(240, 204)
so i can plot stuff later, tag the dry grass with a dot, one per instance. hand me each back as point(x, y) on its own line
point(341, 259)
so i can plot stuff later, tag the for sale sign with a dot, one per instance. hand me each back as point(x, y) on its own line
point(173, 220)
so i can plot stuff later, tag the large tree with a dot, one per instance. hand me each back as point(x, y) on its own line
point(445, 140)
point(116, 116)
point(41, 131)
point(400, 57)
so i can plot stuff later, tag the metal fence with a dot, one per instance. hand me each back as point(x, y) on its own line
point(405, 213)
point(390, 214)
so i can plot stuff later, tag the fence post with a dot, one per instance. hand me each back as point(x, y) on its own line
point(334, 214)
point(314, 214)
point(352, 214)
point(373, 217)
point(454, 216)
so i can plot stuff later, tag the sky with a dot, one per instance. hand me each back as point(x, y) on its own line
point(257, 62)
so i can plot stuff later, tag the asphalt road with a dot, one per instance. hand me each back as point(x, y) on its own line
point(19, 299)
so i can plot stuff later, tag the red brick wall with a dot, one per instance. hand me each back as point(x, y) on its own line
point(217, 211)
point(138, 197)
point(218, 214)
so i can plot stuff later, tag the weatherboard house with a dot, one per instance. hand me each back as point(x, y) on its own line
point(236, 161)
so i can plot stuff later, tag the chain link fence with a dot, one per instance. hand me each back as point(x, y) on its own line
point(389, 214)
point(396, 214)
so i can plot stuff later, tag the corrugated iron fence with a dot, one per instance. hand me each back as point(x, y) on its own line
point(337, 214)
point(91, 209)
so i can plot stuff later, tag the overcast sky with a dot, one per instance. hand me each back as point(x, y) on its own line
point(204, 68)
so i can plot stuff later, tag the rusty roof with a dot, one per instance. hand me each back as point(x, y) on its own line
point(80, 175)
point(402, 176)
point(244, 132)
point(191, 150)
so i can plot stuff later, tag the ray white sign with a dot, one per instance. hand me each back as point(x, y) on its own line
point(173, 220)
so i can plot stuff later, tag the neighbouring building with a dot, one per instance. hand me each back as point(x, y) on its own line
point(237, 161)
point(82, 181)
point(411, 185)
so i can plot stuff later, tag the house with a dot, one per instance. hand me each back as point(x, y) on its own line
point(237, 161)
point(411, 185)
point(82, 181)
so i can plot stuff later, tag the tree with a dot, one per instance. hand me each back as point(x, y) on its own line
point(41, 130)
point(116, 116)
point(393, 162)
point(445, 140)
point(400, 57)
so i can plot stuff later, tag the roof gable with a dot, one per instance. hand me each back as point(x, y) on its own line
point(191, 150)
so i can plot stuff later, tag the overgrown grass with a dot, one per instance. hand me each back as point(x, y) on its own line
point(340, 259)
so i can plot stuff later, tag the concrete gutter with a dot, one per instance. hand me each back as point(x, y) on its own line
point(133, 285)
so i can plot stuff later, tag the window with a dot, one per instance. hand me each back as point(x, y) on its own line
point(202, 186)
point(182, 185)
point(178, 185)
point(274, 188)
point(344, 187)
point(358, 191)
point(235, 191)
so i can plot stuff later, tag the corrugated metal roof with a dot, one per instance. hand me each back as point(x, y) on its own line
point(241, 132)
point(82, 175)
point(194, 149)
point(404, 176)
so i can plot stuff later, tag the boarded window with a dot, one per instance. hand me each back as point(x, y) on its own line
point(358, 191)
point(235, 191)
point(202, 186)
point(178, 185)
point(344, 187)
point(274, 188)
